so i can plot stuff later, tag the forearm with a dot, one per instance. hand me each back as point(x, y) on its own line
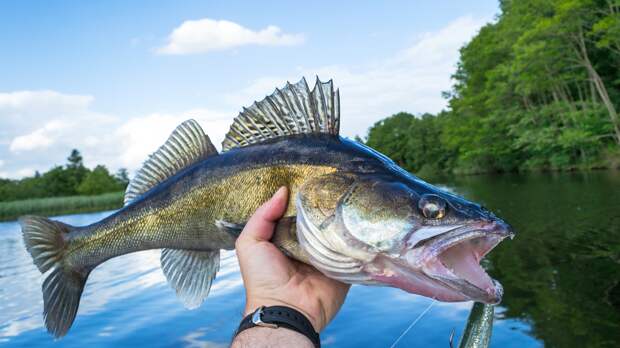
point(258, 337)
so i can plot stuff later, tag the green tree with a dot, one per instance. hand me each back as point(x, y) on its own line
point(537, 89)
point(122, 176)
point(75, 159)
point(99, 181)
point(58, 183)
point(72, 179)
point(75, 170)
point(390, 136)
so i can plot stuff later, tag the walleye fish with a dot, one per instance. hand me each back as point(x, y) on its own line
point(354, 214)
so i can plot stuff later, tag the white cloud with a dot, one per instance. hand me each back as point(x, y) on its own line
point(22, 112)
point(25, 172)
point(410, 80)
point(39, 128)
point(39, 139)
point(206, 35)
point(32, 136)
point(141, 136)
point(33, 101)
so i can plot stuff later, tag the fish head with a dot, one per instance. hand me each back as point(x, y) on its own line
point(402, 232)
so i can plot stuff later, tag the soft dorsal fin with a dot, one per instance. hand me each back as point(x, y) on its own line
point(294, 109)
point(186, 145)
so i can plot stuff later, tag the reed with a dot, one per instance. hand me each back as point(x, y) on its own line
point(60, 205)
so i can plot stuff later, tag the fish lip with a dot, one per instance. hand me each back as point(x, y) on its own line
point(433, 247)
point(429, 258)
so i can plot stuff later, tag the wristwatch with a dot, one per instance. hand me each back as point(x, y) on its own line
point(280, 316)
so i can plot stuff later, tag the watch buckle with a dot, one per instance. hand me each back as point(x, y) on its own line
point(256, 319)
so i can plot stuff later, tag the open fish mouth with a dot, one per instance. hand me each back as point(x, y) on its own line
point(454, 260)
point(447, 266)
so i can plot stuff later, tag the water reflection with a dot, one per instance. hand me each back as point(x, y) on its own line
point(125, 298)
point(560, 275)
point(198, 339)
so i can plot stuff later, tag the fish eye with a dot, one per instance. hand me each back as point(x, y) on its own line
point(432, 206)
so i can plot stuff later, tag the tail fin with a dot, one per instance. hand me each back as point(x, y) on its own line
point(63, 286)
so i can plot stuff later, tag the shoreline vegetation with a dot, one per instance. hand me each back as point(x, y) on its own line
point(67, 189)
point(52, 206)
point(537, 89)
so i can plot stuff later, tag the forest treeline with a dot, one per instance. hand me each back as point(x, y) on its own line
point(537, 89)
point(71, 179)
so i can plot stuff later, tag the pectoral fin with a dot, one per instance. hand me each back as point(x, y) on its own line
point(190, 273)
point(285, 238)
point(231, 228)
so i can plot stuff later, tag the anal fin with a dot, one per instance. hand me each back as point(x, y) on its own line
point(190, 273)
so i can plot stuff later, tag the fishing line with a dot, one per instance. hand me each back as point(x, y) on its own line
point(413, 323)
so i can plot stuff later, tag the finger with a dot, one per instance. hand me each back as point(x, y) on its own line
point(261, 225)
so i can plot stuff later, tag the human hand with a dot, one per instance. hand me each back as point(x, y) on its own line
point(272, 279)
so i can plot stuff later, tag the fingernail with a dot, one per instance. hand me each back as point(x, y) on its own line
point(280, 191)
point(278, 194)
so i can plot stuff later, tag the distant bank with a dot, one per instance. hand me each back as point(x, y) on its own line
point(69, 189)
point(60, 205)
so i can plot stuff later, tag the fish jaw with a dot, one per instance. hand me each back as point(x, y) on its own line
point(446, 267)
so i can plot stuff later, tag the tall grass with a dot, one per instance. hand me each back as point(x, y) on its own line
point(60, 205)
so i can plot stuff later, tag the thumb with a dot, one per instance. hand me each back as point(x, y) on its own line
point(261, 225)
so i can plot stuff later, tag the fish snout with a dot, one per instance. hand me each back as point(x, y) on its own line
point(501, 228)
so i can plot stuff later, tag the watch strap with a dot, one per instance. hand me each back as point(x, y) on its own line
point(280, 316)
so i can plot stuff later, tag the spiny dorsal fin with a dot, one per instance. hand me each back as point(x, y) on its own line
point(293, 109)
point(186, 145)
point(190, 273)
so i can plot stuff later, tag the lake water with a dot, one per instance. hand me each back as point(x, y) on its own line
point(561, 277)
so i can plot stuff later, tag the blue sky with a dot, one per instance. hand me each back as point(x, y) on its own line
point(113, 78)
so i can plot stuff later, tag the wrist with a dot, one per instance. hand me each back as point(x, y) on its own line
point(266, 337)
point(253, 304)
point(280, 317)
